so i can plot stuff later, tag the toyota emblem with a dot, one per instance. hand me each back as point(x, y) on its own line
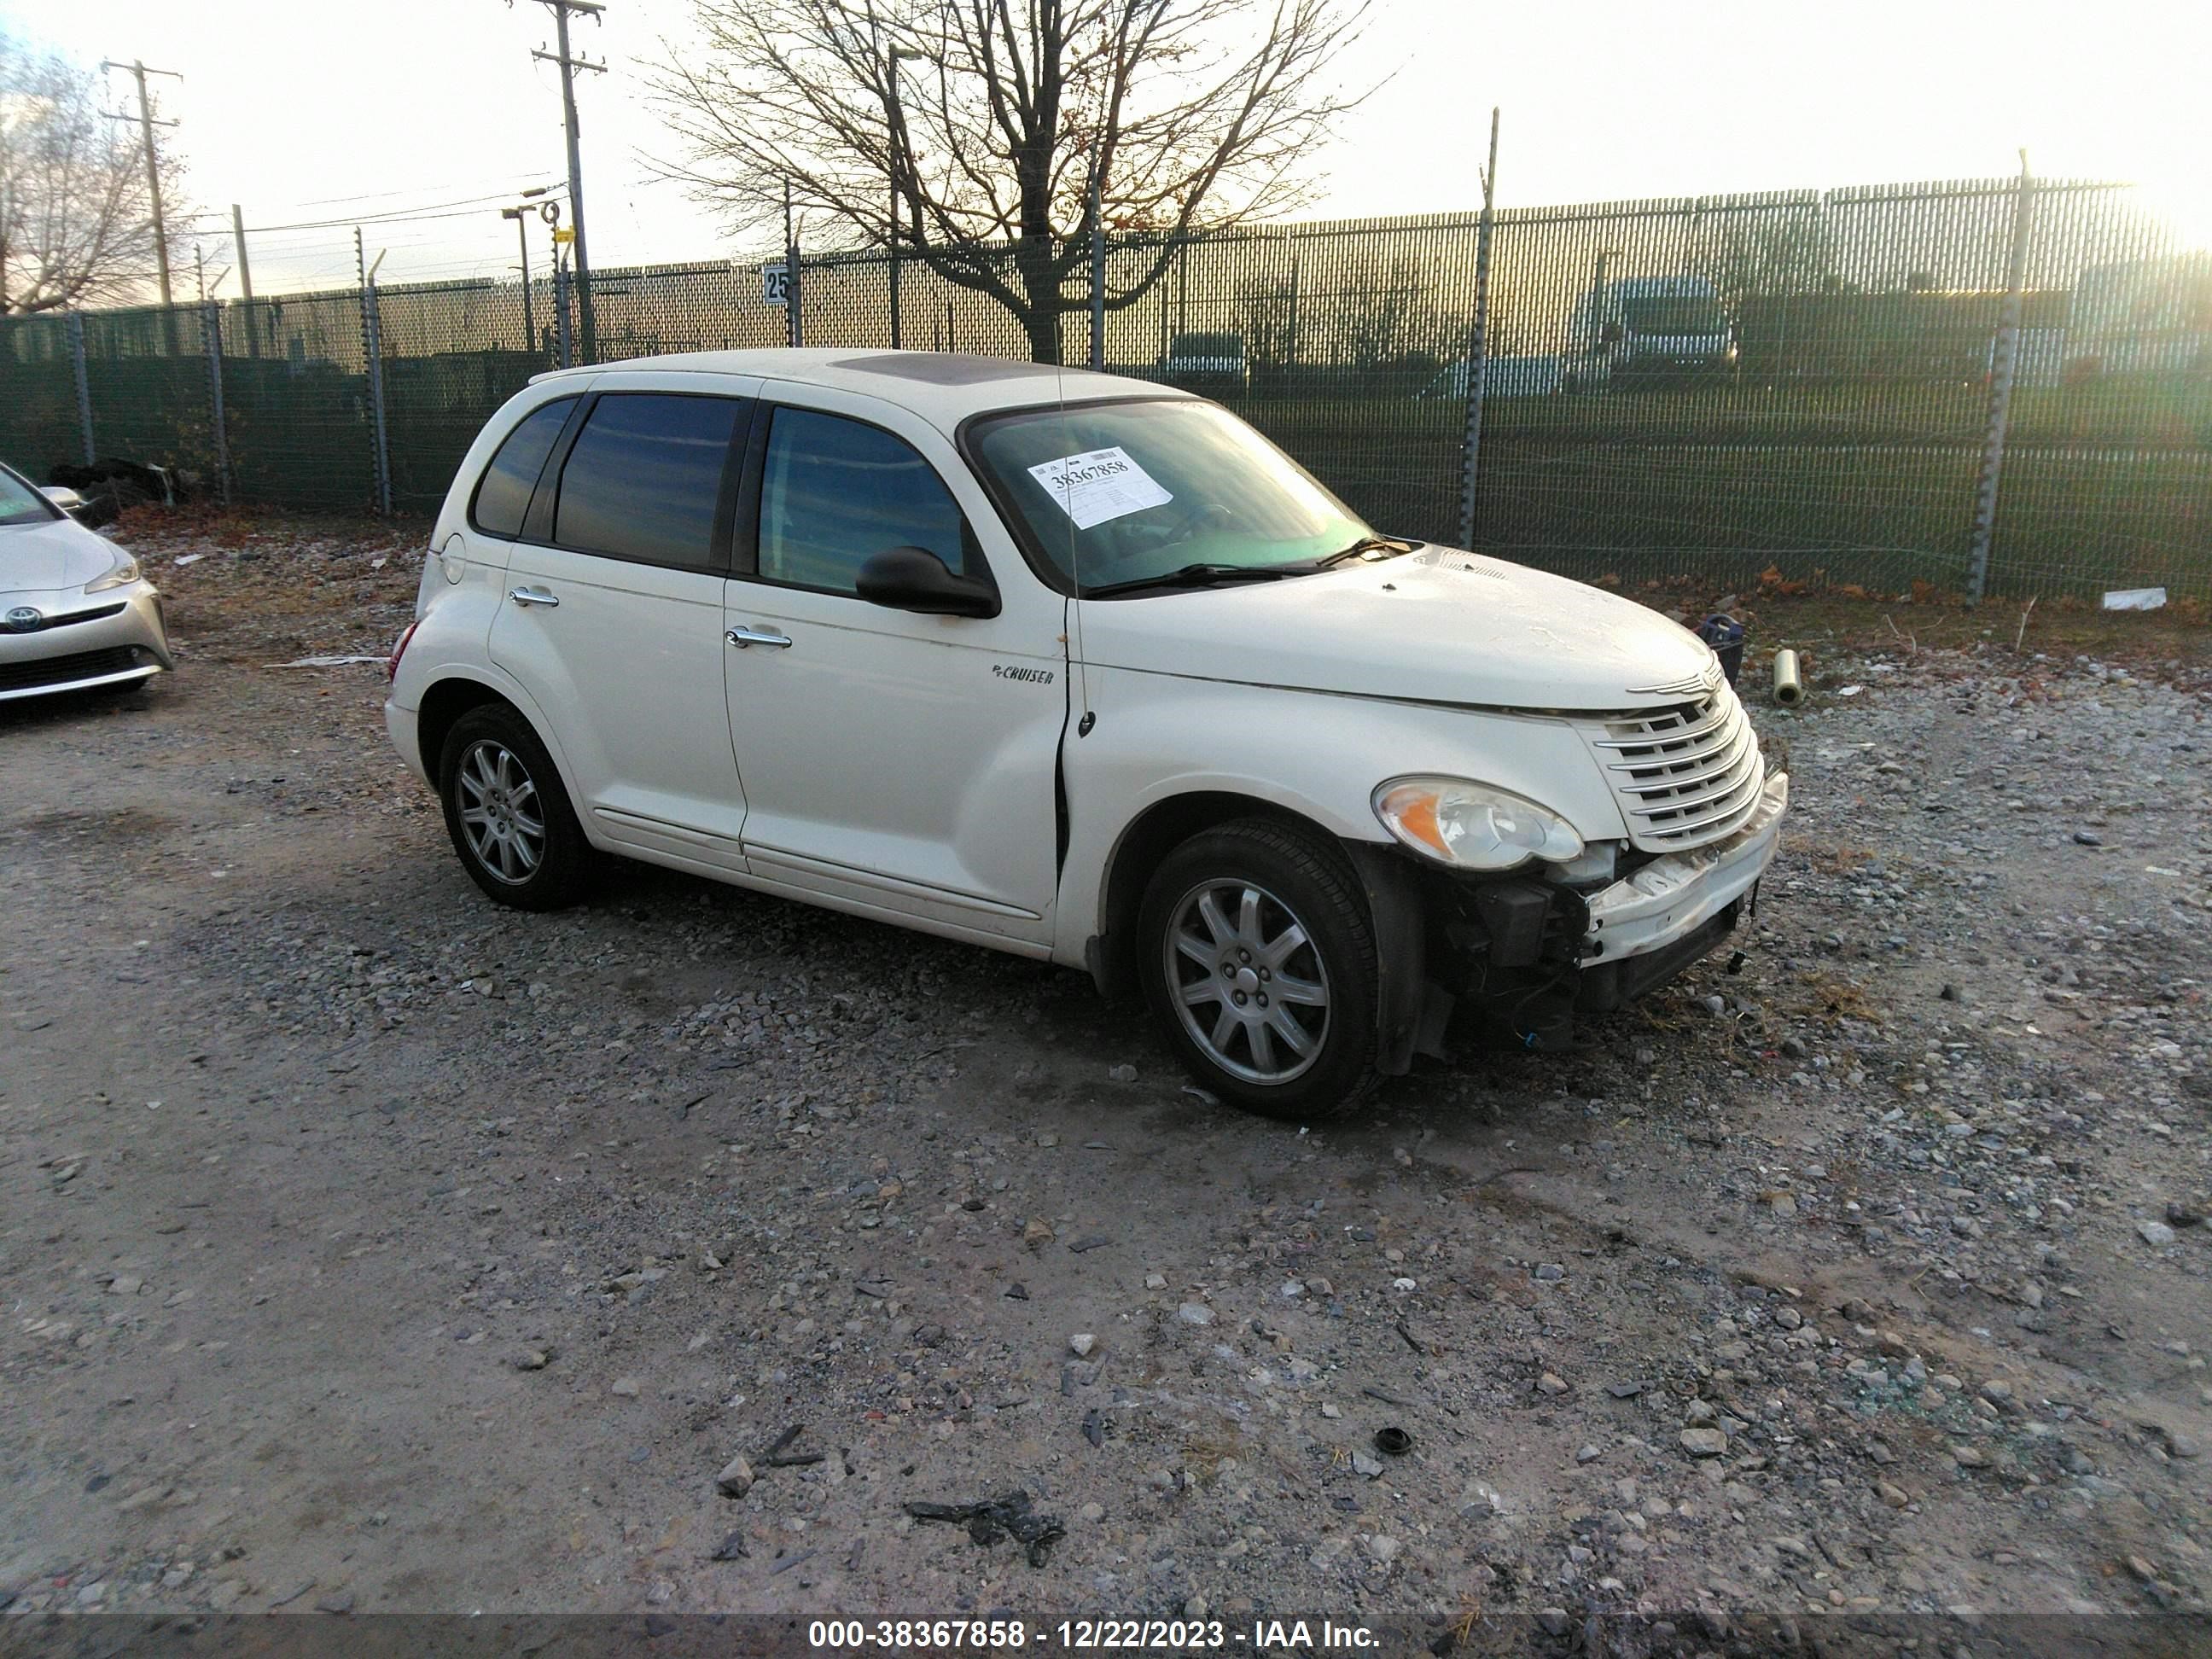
point(24, 620)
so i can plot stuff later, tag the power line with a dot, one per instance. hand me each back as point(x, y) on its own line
point(399, 217)
point(373, 196)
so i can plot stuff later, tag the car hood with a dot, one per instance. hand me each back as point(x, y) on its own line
point(1435, 626)
point(39, 558)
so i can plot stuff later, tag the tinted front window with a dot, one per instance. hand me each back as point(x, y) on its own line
point(504, 495)
point(836, 493)
point(645, 478)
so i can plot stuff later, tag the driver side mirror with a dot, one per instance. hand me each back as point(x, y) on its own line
point(64, 497)
point(914, 579)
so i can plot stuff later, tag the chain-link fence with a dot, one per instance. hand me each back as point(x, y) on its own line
point(1995, 384)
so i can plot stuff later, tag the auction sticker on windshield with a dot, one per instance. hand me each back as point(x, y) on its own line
point(1100, 484)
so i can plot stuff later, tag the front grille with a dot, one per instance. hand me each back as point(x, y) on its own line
point(1684, 775)
point(64, 671)
point(67, 617)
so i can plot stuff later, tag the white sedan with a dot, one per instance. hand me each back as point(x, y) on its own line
point(76, 612)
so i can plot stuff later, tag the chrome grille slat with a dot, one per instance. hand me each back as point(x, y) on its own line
point(1700, 762)
point(1676, 734)
point(1699, 785)
point(1705, 805)
point(1684, 776)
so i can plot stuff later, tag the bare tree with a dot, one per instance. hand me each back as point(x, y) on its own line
point(1768, 251)
point(75, 216)
point(1384, 314)
point(968, 133)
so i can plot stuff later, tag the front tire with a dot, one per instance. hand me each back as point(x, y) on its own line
point(507, 814)
point(1258, 958)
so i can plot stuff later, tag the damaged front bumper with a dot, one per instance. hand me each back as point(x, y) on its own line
point(1641, 927)
point(1518, 958)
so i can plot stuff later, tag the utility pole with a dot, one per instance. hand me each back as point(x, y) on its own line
point(146, 125)
point(569, 64)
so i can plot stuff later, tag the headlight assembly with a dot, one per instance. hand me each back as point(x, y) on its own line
point(1473, 826)
point(121, 573)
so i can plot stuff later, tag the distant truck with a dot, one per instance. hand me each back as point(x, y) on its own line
point(1648, 329)
point(1212, 364)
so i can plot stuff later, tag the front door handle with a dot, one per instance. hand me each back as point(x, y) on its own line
point(527, 597)
point(742, 637)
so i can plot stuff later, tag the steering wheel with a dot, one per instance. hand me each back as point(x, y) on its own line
point(1136, 536)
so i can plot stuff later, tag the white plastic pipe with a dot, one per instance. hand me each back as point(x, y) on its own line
point(1788, 688)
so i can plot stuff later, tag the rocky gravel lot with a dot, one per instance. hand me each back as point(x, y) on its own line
point(365, 1248)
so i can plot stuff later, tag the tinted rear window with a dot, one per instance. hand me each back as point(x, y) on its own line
point(504, 495)
point(645, 478)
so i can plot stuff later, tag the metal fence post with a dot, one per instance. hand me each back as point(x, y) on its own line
point(1097, 279)
point(794, 314)
point(1478, 354)
point(83, 384)
point(561, 313)
point(211, 333)
point(372, 341)
point(2004, 358)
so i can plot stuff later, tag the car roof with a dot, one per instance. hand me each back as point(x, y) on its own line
point(945, 387)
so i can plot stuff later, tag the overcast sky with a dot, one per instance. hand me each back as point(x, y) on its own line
point(319, 109)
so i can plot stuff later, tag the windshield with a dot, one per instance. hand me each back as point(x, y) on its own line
point(1684, 313)
point(20, 504)
point(1130, 490)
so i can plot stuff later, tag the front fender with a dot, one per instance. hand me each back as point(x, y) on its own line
point(1316, 755)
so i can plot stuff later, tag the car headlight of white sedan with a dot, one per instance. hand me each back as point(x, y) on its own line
point(121, 573)
point(1473, 826)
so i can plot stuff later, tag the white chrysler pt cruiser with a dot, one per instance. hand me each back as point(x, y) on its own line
point(1084, 669)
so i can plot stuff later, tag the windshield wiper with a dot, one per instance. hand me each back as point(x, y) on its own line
point(1391, 546)
point(1200, 575)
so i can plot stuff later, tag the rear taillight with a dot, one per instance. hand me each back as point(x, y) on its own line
point(391, 664)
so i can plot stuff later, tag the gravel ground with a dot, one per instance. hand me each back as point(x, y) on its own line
point(368, 1248)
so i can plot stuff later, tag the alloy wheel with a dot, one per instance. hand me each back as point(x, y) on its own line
point(500, 812)
point(1247, 982)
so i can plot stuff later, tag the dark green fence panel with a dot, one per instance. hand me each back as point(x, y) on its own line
point(452, 354)
point(296, 402)
point(38, 424)
point(152, 397)
point(1799, 380)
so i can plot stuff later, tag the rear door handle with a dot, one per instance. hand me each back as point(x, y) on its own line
point(527, 597)
point(742, 637)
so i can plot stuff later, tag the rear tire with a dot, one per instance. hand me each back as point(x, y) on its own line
point(507, 814)
point(1258, 958)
